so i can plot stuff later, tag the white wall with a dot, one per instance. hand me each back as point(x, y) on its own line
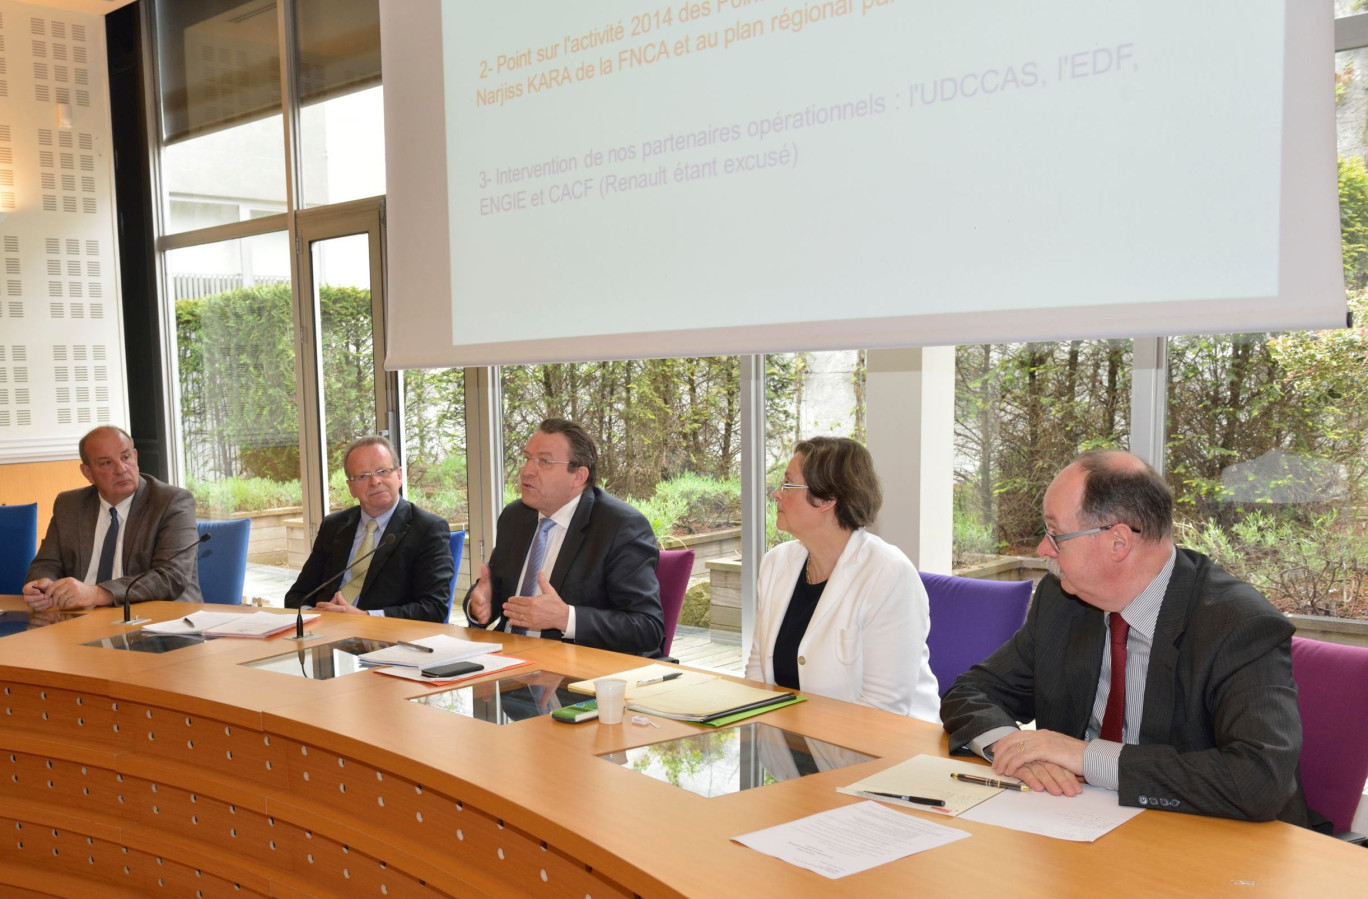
point(61, 338)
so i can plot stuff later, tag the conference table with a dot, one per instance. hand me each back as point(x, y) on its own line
point(232, 767)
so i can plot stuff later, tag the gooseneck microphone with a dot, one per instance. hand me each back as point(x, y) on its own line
point(127, 619)
point(328, 582)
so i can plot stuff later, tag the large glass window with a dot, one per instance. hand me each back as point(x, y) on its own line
point(341, 114)
point(435, 454)
point(1267, 453)
point(808, 395)
point(239, 412)
point(1022, 411)
point(668, 433)
point(222, 130)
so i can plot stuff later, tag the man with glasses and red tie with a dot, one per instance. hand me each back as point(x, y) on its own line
point(394, 558)
point(102, 537)
point(572, 563)
point(1147, 669)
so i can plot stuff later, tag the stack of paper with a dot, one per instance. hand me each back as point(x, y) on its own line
point(228, 624)
point(692, 695)
point(439, 650)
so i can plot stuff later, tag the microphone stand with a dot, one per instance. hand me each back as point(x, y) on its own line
point(299, 617)
point(127, 608)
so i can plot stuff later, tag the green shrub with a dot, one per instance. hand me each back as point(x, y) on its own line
point(1315, 567)
point(971, 538)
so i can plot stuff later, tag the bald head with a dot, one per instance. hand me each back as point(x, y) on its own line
point(1119, 486)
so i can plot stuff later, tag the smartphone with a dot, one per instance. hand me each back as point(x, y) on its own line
point(455, 669)
point(580, 711)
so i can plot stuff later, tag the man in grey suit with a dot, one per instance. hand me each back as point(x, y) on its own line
point(103, 536)
point(1204, 719)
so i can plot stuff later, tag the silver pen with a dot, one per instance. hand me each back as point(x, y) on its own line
point(660, 679)
point(418, 646)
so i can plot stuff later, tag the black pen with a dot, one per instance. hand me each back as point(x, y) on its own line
point(661, 679)
point(920, 800)
point(188, 621)
point(991, 782)
point(418, 646)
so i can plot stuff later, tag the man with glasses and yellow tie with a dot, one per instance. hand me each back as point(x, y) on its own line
point(572, 562)
point(399, 555)
point(1147, 669)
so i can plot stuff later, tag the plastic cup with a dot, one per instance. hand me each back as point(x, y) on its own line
point(611, 693)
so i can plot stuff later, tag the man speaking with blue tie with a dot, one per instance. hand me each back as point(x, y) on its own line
point(572, 563)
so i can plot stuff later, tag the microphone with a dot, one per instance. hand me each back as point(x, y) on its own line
point(127, 609)
point(299, 618)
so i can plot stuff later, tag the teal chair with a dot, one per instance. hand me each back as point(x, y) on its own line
point(457, 550)
point(223, 559)
point(18, 545)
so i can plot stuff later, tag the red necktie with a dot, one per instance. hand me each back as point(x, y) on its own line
point(1115, 716)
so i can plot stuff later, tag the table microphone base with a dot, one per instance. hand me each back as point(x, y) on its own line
point(133, 621)
point(306, 636)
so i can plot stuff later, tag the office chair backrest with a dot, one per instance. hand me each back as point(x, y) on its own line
point(18, 545)
point(458, 539)
point(223, 560)
point(969, 619)
point(1332, 696)
point(673, 572)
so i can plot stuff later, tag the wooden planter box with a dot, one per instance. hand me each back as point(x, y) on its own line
point(267, 543)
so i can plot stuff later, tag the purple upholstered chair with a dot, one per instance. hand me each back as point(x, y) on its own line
point(969, 619)
point(1332, 696)
point(673, 573)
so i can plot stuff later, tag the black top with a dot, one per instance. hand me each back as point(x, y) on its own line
point(796, 619)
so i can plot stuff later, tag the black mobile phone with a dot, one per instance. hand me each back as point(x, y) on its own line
point(455, 669)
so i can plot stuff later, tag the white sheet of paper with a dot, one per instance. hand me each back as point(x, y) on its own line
point(1082, 818)
point(850, 839)
point(490, 661)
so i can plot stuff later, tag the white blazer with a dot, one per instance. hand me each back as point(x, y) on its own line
point(866, 642)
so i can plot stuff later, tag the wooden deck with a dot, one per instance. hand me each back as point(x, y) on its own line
point(701, 648)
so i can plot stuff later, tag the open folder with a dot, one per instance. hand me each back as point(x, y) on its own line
point(692, 696)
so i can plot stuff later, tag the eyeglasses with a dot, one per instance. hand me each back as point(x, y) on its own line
point(367, 475)
point(543, 464)
point(1056, 539)
point(787, 486)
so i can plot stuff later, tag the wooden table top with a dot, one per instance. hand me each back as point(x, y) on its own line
point(652, 837)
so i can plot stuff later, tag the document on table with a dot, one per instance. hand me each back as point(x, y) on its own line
point(1082, 818)
point(928, 776)
point(229, 624)
point(849, 840)
point(492, 662)
point(438, 649)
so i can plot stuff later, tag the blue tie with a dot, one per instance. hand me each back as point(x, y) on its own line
point(535, 556)
point(106, 570)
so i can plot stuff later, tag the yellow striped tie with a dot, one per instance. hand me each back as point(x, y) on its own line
point(352, 588)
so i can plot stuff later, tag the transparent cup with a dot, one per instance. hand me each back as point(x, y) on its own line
point(611, 693)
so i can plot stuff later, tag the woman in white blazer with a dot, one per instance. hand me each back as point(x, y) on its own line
point(840, 612)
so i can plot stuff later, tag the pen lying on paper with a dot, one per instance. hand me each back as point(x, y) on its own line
point(661, 679)
point(188, 621)
point(920, 800)
point(991, 782)
point(418, 646)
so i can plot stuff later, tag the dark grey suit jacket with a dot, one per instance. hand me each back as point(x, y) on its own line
point(161, 523)
point(409, 578)
point(605, 569)
point(1220, 733)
